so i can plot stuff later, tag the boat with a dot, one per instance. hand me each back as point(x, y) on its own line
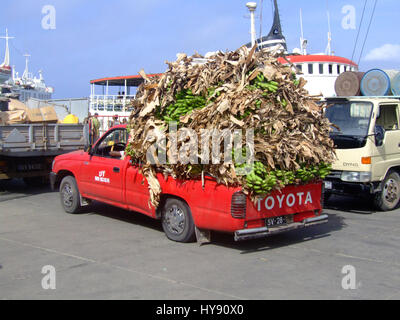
point(25, 87)
point(319, 70)
point(114, 99)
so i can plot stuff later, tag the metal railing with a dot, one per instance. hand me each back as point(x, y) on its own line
point(111, 103)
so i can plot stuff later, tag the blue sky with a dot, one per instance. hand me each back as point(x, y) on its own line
point(99, 38)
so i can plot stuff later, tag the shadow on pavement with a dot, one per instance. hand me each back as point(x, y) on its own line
point(359, 205)
point(111, 212)
point(335, 223)
point(17, 188)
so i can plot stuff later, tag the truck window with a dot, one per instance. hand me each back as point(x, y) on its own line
point(388, 117)
point(350, 118)
point(351, 122)
point(114, 142)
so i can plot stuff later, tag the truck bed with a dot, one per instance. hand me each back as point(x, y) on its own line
point(22, 140)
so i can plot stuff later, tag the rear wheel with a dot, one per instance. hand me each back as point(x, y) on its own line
point(70, 196)
point(177, 221)
point(388, 198)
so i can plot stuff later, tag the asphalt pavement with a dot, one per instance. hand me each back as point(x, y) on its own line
point(109, 253)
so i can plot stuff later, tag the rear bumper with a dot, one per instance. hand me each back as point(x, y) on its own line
point(247, 234)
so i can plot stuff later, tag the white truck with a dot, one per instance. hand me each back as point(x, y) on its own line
point(367, 138)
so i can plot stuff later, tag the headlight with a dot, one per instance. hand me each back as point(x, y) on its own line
point(52, 164)
point(350, 176)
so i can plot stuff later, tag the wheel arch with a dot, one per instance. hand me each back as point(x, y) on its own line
point(394, 168)
point(164, 197)
point(61, 175)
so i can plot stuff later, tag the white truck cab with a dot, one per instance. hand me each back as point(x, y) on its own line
point(366, 134)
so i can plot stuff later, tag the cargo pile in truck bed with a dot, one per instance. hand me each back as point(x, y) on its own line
point(236, 90)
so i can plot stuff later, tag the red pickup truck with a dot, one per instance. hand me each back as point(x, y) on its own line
point(186, 206)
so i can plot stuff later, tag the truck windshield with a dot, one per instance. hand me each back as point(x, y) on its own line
point(351, 120)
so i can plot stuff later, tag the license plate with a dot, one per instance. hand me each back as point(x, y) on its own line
point(328, 185)
point(276, 221)
point(29, 167)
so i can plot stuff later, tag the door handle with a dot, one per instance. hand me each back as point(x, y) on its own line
point(116, 169)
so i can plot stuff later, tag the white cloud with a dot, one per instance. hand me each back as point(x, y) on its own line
point(387, 52)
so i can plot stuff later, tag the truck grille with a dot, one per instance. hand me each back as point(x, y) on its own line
point(335, 175)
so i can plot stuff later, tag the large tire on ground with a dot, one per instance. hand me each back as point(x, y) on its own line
point(69, 195)
point(388, 198)
point(177, 221)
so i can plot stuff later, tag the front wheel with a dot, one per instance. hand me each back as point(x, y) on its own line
point(70, 196)
point(388, 198)
point(177, 221)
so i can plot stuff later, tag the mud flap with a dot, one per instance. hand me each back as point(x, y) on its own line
point(202, 236)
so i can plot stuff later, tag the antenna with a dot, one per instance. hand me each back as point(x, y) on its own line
point(261, 17)
point(252, 8)
point(303, 42)
point(6, 62)
point(26, 71)
point(328, 50)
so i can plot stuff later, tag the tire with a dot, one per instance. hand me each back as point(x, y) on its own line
point(177, 221)
point(388, 198)
point(69, 195)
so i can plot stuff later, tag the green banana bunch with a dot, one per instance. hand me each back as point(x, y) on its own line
point(324, 170)
point(261, 181)
point(304, 175)
point(262, 83)
point(185, 103)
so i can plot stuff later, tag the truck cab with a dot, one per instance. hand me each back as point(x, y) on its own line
point(366, 133)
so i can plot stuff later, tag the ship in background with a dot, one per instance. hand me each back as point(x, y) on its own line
point(23, 87)
point(319, 70)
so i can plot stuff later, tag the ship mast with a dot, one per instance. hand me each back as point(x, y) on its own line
point(25, 75)
point(6, 62)
point(328, 50)
point(275, 40)
point(252, 8)
point(303, 42)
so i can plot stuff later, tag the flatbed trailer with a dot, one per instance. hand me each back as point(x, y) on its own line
point(28, 150)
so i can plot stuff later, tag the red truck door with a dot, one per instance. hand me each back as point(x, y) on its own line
point(102, 175)
point(137, 192)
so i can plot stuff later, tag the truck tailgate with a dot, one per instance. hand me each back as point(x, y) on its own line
point(291, 208)
point(290, 200)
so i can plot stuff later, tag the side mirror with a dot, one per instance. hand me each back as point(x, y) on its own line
point(379, 135)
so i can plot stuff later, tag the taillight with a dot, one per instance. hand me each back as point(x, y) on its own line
point(238, 205)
